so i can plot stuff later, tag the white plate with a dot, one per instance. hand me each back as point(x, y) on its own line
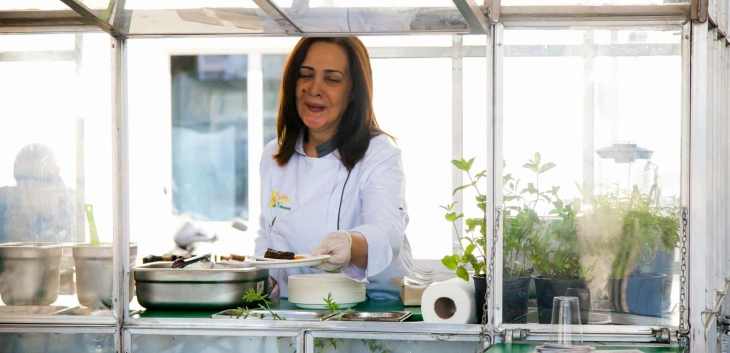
point(267, 264)
point(324, 306)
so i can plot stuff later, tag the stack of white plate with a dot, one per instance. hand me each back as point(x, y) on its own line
point(309, 291)
point(425, 277)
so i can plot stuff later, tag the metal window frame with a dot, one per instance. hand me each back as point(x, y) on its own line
point(88, 15)
point(698, 223)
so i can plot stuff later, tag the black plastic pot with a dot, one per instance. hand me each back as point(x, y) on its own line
point(638, 295)
point(514, 300)
point(480, 287)
point(548, 289)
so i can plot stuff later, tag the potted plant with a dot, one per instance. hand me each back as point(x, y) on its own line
point(647, 233)
point(473, 244)
point(520, 223)
point(550, 241)
point(516, 271)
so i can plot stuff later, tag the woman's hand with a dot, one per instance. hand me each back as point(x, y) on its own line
point(337, 244)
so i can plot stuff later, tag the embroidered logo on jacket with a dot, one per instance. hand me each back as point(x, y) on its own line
point(278, 201)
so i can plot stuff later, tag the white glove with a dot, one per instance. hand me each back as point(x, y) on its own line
point(337, 244)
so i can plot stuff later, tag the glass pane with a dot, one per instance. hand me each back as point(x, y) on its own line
point(57, 44)
point(44, 5)
point(590, 185)
point(56, 159)
point(322, 344)
point(196, 17)
point(273, 68)
point(407, 41)
point(606, 36)
point(97, 5)
point(475, 128)
point(210, 136)
point(42, 342)
point(475, 40)
point(428, 234)
point(203, 344)
point(591, 2)
point(375, 16)
point(394, 111)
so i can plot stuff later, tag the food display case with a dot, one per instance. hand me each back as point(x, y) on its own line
point(135, 127)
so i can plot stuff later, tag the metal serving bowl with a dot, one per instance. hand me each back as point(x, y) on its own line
point(159, 286)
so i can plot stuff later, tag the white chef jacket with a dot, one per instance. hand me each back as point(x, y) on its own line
point(301, 201)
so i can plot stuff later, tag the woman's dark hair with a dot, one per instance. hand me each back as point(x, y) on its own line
point(357, 125)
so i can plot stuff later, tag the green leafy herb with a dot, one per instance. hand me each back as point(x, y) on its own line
point(259, 297)
point(374, 346)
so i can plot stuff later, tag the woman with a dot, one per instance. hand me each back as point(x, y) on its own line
point(332, 183)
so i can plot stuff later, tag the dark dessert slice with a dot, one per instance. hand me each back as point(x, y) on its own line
point(279, 255)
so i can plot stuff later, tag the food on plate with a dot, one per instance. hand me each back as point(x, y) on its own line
point(300, 257)
point(279, 255)
point(232, 257)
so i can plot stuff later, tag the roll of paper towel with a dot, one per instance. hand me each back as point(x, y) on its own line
point(449, 302)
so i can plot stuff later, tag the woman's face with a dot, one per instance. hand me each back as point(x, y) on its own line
point(323, 88)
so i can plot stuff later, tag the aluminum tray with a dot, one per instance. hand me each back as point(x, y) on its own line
point(382, 316)
point(159, 286)
point(290, 315)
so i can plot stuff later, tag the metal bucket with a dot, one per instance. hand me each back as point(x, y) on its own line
point(29, 273)
point(95, 275)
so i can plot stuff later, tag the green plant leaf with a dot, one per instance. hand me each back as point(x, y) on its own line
point(450, 261)
point(537, 158)
point(482, 198)
point(481, 242)
point(479, 268)
point(469, 249)
point(459, 164)
point(462, 273)
point(546, 167)
point(471, 223)
point(452, 216)
point(469, 164)
point(460, 188)
point(482, 174)
point(530, 166)
point(506, 178)
point(482, 206)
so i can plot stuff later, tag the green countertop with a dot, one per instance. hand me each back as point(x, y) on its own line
point(530, 348)
point(369, 305)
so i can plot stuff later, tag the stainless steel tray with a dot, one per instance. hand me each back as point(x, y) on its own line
point(382, 316)
point(30, 310)
point(291, 315)
point(159, 286)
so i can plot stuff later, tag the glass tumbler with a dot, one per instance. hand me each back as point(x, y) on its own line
point(565, 328)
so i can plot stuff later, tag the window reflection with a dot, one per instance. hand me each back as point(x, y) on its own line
point(592, 175)
point(210, 136)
